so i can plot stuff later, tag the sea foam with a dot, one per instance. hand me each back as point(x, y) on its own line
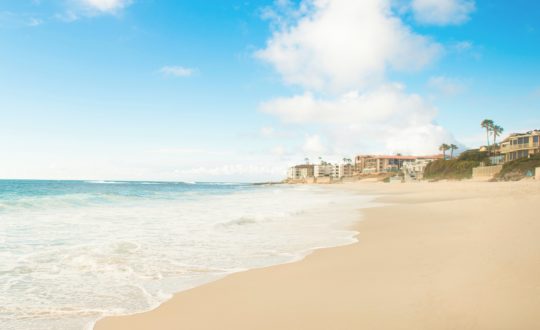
point(73, 253)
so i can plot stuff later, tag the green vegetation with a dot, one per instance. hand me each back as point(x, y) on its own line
point(444, 147)
point(454, 169)
point(452, 147)
point(491, 129)
point(487, 124)
point(497, 131)
point(475, 155)
point(519, 168)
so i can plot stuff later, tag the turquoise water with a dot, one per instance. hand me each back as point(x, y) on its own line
point(74, 251)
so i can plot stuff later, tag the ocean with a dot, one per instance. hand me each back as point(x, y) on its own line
point(74, 251)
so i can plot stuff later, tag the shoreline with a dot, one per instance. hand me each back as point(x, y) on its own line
point(351, 228)
point(370, 284)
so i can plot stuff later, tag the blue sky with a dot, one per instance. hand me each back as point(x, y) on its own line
point(239, 90)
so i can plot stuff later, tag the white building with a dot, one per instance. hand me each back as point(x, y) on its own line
point(415, 168)
point(300, 172)
point(324, 170)
point(335, 171)
point(342, 170)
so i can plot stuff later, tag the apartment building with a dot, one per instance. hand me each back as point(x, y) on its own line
point(520, 145)
point(342, 170)
point(300, 172)
point(334, 171)
point(374, 164)
point(323, 170)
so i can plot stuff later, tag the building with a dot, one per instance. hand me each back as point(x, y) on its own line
point(373, 164)
point(342, 170)
point(496, 160)
point(520, 145)
point(415, 169)
point(334, 171)
point(323, 170)
point(300, 172)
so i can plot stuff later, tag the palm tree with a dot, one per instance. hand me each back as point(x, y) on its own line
point(497, 131)
point(488, 125)
point(452, 148)
point(443, 148)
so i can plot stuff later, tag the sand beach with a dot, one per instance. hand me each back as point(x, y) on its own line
point(446, 255)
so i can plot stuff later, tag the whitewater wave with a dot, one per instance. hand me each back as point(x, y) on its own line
point(121, 249)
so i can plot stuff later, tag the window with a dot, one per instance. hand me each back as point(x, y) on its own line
point(526, 140)
point(536, 139)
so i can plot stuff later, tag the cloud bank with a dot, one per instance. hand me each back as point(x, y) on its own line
point(343, 44)
point(339, 52)
point(386, 119)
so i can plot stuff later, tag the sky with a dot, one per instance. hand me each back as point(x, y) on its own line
point(217, 90)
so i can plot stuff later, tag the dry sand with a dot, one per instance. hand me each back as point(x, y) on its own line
point(453, 255)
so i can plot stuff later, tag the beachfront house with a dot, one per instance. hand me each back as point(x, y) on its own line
point(520, 145)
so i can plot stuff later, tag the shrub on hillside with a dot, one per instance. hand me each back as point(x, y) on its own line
point(454, 169)
point(475, 155)
point(517, 169)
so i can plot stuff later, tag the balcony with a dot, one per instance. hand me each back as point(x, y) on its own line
point(514, 147)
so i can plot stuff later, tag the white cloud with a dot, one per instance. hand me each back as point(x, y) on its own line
point(19, 20)
point(442, 12)
point(446, 86)
point(177, 71)
point(340, 45)
point(189, 151)
point(278, 151)
point(385, 119)
point(106, 6)
point(462, 46)
point(76, 9)
point(313, 146)
point(339, 51)
point(268, 131)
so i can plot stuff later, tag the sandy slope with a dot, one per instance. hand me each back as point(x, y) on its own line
point(462, 255)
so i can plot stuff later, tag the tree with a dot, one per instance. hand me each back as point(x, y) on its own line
point(306, 160)
point(452, 148)
point(444, 147)
point(497, 131)
point(487, 124)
